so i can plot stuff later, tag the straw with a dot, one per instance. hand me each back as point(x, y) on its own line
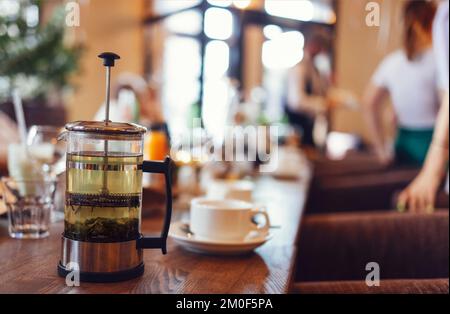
point(18, 108)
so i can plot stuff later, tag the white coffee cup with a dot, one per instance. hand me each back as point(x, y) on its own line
point(225, 219)
point(230, 189)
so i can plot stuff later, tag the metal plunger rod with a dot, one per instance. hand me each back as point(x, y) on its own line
point(108, 89)
point(108, 62)
point(105, 147)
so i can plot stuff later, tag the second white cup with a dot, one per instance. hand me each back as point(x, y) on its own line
point(225, 219)
point(230, 189)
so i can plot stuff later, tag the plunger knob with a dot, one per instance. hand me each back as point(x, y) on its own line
point(108, 58)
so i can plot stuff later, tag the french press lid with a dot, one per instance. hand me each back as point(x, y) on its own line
point(102, 128)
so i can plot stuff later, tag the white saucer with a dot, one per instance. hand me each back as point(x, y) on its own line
point(214, 247)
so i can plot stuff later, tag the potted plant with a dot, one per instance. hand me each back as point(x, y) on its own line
point(35, 59)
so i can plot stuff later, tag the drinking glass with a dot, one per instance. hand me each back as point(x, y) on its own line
point(29, 204)
point(44, 146)
point(190, 151)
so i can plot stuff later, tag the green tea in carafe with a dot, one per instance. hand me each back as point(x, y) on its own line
point(103, 196)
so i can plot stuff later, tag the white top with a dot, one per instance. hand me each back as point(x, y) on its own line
point(412, 86)
point(440, 43)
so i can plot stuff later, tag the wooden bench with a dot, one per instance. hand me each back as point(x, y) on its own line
point(410, 249)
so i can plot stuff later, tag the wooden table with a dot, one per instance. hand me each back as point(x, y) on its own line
point(29, 266)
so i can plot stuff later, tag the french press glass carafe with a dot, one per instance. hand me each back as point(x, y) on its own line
point(104, 166)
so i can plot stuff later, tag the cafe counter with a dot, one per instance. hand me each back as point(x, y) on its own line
point(29, 266)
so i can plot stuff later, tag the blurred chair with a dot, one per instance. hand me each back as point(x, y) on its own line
point(411, 249)
point(354, 162)
point(357, 182)
point(361, 191)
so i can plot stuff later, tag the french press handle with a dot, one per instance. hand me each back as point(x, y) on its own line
point(165, 168)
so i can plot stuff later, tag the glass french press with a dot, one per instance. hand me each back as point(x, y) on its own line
point(104, 167)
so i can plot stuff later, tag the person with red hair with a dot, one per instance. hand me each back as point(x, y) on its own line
point(409, 77)
point(421, 194)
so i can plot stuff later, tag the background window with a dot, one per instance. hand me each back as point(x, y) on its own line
point(204, 54)
point(180, 86)
point(218, 23)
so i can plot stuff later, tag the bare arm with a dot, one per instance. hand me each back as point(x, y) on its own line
point(373, 98)
point(420, 195)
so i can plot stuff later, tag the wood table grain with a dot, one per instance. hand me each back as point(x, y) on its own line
point(29, 266)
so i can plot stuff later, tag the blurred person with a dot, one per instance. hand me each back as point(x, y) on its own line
point(409, 77)
point(306, 90)
point(421, 194)
point(136, 101)
point(132, 90)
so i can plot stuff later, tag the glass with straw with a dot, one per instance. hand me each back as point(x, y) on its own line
point(27, 194)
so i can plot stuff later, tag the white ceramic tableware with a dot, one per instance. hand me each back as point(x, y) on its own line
point(192, 243)
point(230, 189)
point(225, 219)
